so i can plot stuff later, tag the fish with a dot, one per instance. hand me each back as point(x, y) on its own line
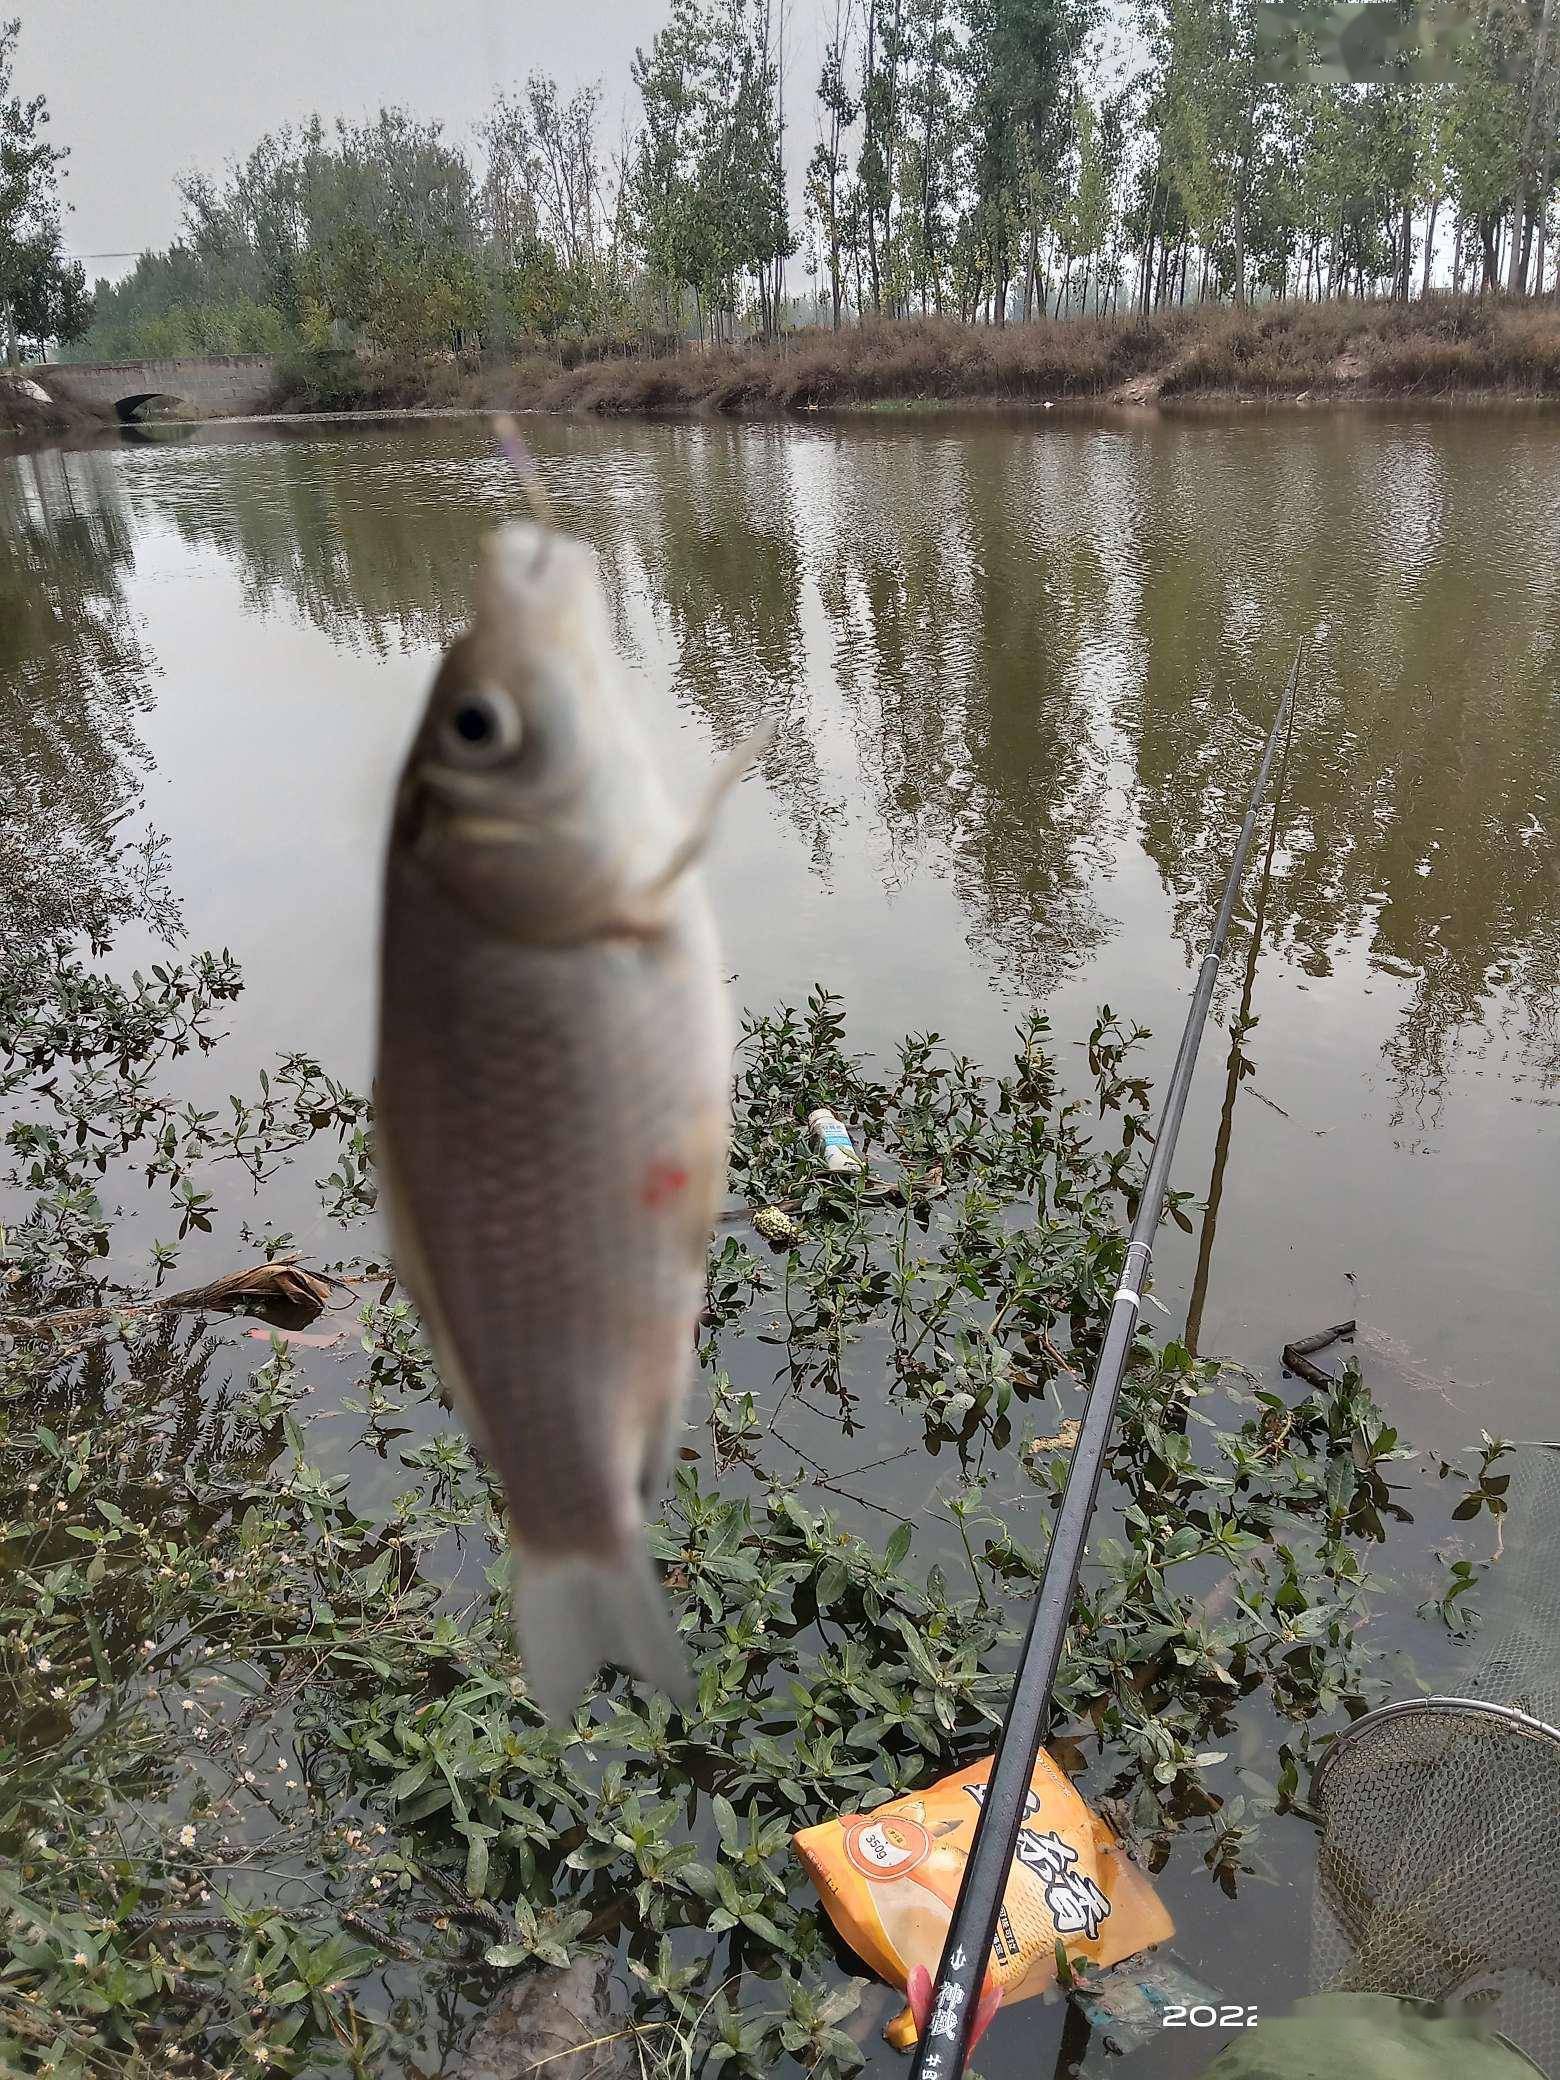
point(552, 1094)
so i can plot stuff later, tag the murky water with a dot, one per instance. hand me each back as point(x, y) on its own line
point(1024, 672)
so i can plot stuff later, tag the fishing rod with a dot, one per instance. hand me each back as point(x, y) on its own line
point(943, 2037)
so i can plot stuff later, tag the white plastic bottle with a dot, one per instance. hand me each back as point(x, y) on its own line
point(833, 1139)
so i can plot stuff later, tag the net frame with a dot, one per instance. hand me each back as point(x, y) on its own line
point(1438, 1875)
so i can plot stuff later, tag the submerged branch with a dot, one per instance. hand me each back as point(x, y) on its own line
point(1297, 1355)
point(279, 1291)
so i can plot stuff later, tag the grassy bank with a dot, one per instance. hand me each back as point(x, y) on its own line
point(1445, 349)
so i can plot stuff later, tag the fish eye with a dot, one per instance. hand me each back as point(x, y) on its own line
point(482, 727)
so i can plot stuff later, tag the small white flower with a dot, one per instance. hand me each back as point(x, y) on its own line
point(57, 1690)
point(81, 1959)
point(62, 1505)
point(32, 1487)
point(187, 1836)
point(292, 1783)
point(249, 1776)
point(44, 1664)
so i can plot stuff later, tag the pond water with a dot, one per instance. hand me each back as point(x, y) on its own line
point(1023, 670)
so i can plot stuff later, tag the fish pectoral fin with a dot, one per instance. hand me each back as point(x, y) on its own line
point(643, 913)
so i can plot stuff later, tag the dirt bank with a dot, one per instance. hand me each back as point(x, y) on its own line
point(1469, 350)
point(26, 418)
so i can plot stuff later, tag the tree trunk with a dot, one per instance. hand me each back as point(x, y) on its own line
point(1517, 246)
point(1435, 205)
point(1155, 205)
point(869, 140)
point(1537, 110)
point(1457, 252)
point(1406, 256)
point(1240, 242)
point(928, 254)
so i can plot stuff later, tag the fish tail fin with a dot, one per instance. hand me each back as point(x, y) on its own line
point(573, 1612)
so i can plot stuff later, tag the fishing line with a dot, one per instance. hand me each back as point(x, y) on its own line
point(943, 2039)
point(506, 432)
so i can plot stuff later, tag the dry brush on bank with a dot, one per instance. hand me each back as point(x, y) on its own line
point(1379, 350)
point(1446, 348)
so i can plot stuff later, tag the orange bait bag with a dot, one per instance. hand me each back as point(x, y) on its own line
point(888, 1880)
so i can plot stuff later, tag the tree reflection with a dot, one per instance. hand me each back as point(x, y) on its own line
point(74, 678)
point(1032, 649)
point(959, 657)
point(1427, 745)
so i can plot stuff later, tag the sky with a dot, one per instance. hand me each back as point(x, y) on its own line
point(143, 90)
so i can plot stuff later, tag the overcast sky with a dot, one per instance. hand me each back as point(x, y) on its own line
point(141, 90)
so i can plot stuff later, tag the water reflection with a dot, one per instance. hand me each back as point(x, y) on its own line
point(1013, 655)
point(74, 678)
point(1428, 741)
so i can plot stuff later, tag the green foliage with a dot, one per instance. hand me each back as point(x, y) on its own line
point(971, 154)
point(267, 1740)
point(707, 189)
point(43, 296)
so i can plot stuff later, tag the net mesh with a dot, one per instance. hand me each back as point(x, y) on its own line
point(1439, 1869)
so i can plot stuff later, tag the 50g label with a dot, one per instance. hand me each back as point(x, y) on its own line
point(1205, 2016)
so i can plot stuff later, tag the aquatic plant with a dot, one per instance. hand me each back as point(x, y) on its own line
point(273, 1797)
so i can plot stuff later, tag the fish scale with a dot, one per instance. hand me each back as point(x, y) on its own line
point(552, 1097)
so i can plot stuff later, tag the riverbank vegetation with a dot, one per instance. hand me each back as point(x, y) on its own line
point(273, 1797)
point(979, 161)
point(1444, 349)
point(43, 294)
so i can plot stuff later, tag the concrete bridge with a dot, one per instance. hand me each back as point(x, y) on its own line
point(219, 388)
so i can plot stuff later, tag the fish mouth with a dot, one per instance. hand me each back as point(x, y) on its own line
point(457, 790)
point(458, 810)
point(486, 830)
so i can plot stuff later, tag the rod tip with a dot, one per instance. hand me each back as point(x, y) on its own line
point(506, 431)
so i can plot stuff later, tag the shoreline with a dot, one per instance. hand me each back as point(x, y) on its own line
point(1442, 355)
point(78, 430)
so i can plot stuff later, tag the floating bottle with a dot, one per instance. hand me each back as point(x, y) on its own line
point(833, 1139)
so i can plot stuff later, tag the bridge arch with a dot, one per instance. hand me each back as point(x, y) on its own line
point(127, 408)
point(203, 389)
